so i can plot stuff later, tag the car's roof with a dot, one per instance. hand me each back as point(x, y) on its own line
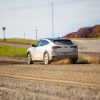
point(53, 39)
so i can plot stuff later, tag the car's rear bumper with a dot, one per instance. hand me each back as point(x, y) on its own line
point(59, 57)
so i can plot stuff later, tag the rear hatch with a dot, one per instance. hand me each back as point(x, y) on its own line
point(64, 47)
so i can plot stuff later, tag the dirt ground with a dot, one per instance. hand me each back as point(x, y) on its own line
point(19, 81)
point(4, 60)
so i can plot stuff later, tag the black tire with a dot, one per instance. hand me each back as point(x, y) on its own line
point(74, 61)
point(46, 58)
point(29, 59)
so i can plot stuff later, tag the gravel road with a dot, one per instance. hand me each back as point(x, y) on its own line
point(50, 82)
point(86, 73)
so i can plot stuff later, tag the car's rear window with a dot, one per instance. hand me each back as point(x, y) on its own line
point(63, 42)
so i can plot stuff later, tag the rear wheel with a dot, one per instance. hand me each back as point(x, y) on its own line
point(74, 61)
point(46, 58)
point(29, 59)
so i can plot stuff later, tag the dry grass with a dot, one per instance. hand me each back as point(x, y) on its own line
point(90, 58)
point(93, 60)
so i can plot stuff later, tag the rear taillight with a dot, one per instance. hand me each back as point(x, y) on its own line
point(56, 47)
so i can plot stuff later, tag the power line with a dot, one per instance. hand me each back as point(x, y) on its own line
point(24, 35)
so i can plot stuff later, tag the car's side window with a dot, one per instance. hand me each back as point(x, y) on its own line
point(44, 42)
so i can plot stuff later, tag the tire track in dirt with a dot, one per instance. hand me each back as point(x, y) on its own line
point(80, 84)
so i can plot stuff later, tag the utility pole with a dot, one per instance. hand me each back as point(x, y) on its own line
point(52, 8)
point(24, 35)
point(4, 28)
point(36, 31)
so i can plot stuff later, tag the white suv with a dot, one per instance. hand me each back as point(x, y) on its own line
point(49, 49)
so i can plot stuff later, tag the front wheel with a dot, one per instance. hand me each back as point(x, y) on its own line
point(46, 58)
point(29, 59)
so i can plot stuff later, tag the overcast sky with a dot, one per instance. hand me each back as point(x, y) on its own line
point(23, 16)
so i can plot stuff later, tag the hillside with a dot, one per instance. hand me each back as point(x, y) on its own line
point(85, 32)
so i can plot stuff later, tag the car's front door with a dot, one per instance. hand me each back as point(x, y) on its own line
point(40, 49)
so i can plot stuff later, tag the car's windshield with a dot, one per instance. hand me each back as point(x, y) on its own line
point(38, 43)
point(63, 42)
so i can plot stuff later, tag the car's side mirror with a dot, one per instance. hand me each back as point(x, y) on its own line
point(33, 45)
